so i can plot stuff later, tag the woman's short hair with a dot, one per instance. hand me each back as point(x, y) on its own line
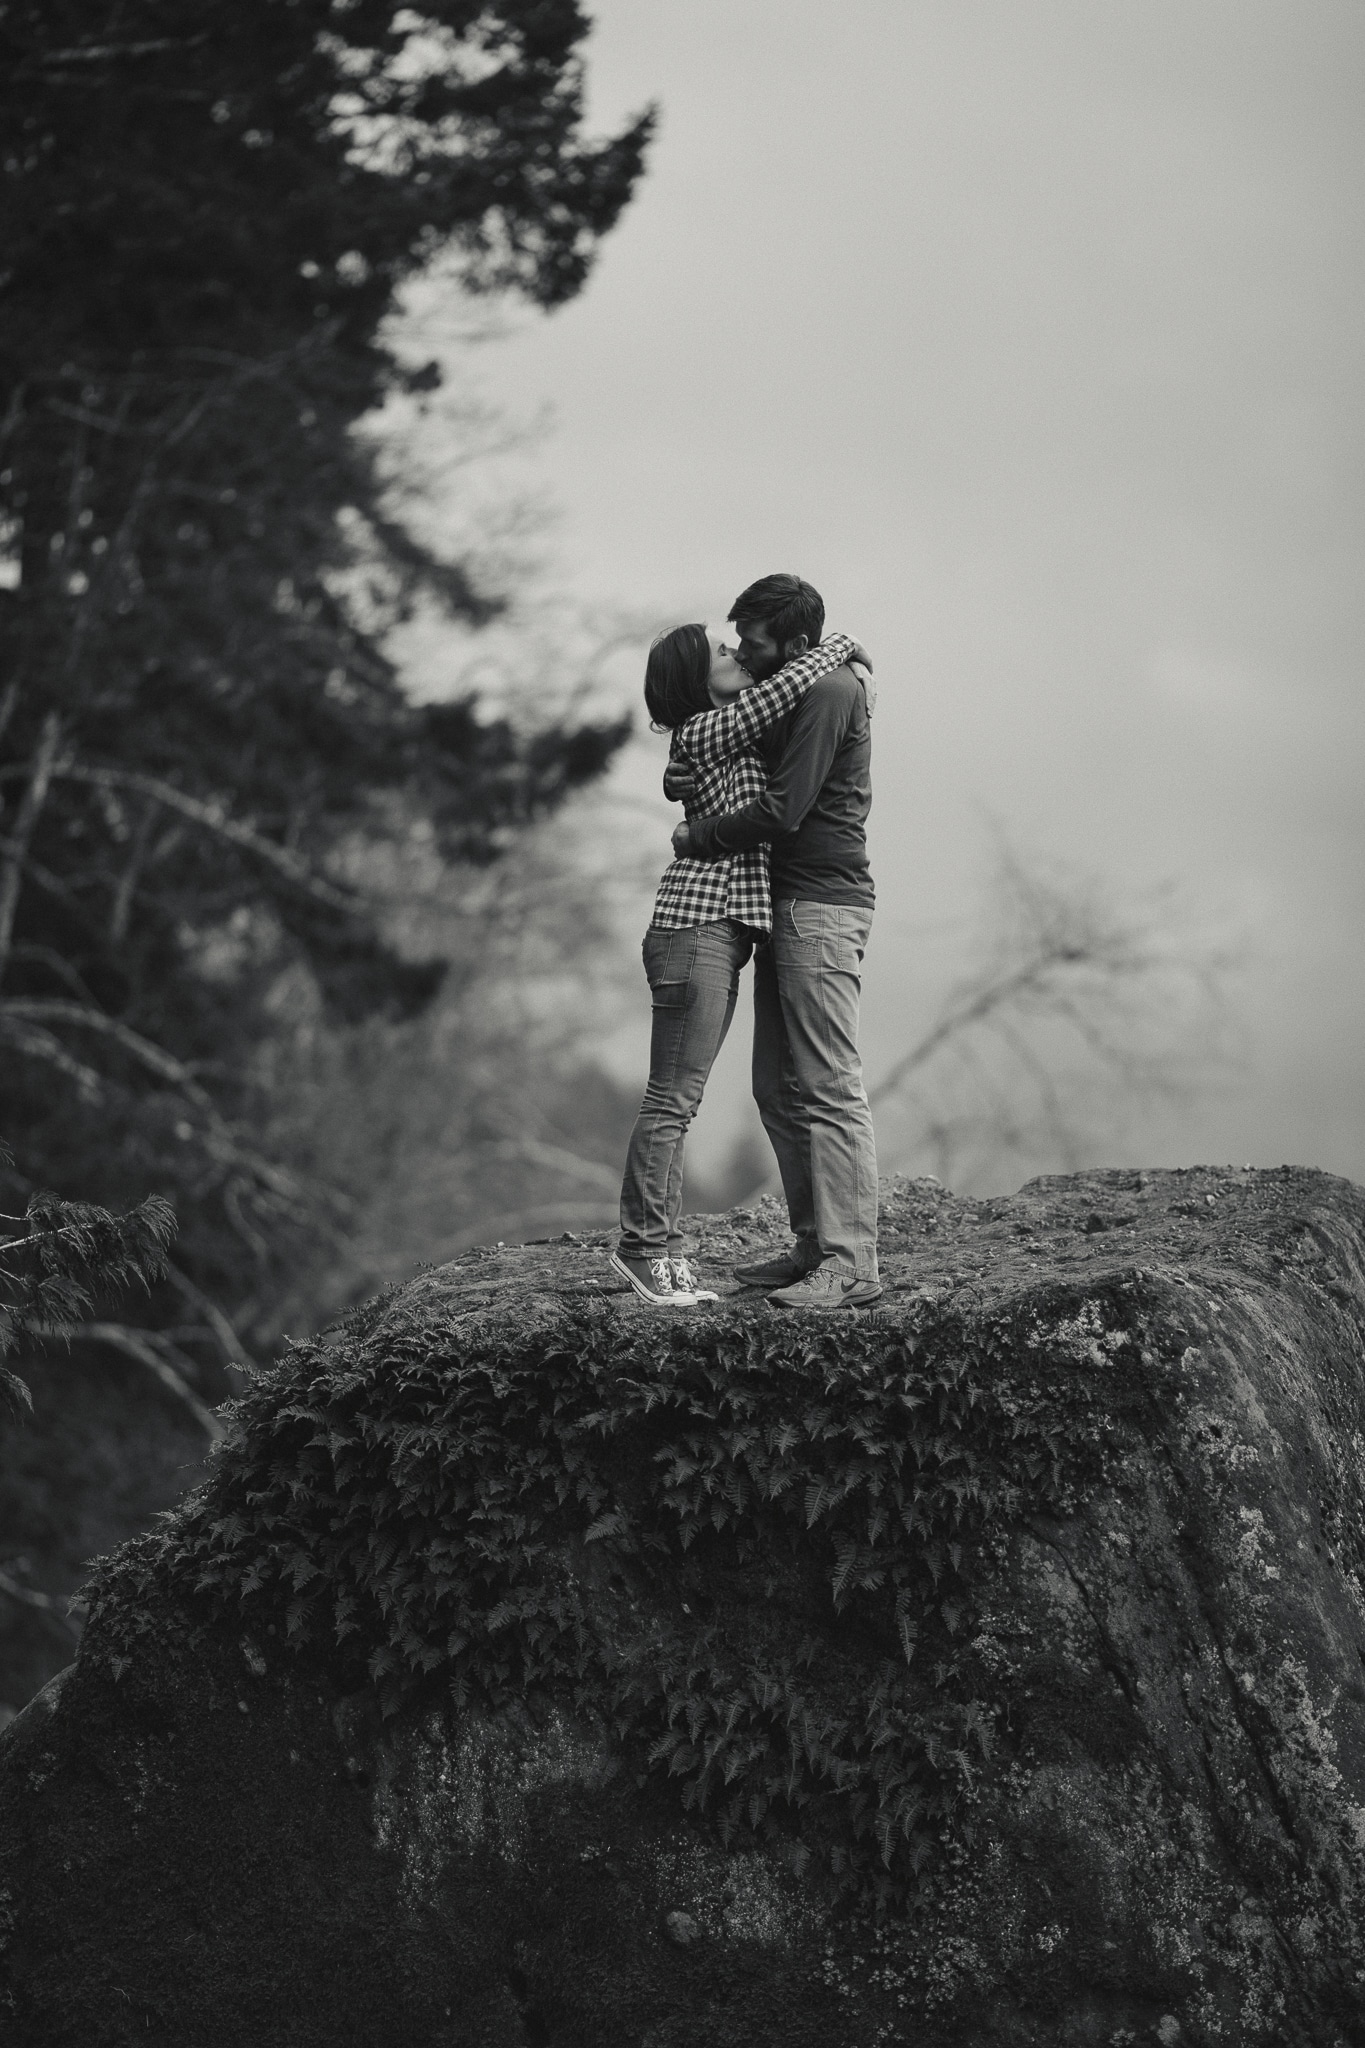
point(676, 676)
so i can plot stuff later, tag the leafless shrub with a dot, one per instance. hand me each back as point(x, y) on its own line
point(1078, 1013)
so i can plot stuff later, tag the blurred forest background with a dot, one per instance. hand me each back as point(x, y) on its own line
point(309, 974)
point(266, 925)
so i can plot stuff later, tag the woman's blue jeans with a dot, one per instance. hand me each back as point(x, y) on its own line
point(694, 980)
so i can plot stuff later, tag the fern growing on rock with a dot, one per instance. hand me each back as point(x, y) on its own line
point(689, 1536)
point(984, 1669)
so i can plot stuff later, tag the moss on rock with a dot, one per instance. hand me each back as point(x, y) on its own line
point(986, 1669)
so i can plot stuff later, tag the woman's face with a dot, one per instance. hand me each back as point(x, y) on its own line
point(727, 678)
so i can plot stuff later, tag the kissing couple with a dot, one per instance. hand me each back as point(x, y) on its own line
point(770, 756)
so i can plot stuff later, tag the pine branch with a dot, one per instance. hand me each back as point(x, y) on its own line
point(123, 1248)
point(68, 1252)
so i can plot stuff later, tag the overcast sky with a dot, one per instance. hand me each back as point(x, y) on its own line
point(1030, 331)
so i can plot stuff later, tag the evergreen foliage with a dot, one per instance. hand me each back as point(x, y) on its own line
point(207, 216)
point(65, 1256)
point(585, 1510)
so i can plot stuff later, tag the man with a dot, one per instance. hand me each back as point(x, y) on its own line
point(807, 1072)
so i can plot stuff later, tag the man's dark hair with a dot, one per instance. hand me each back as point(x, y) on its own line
point(785, 605)
point(676, 675)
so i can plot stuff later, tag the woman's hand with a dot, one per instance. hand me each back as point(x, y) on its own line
point(863, 671)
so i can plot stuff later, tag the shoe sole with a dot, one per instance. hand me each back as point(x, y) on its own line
point(828, 1308)
point(646, 1293)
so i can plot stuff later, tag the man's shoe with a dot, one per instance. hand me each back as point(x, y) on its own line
point(828, 1287)
point(684, 1280)
point(652, 1280)
point(780, 1272)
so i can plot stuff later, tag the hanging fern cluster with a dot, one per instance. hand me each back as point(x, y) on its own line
point(745, 1544)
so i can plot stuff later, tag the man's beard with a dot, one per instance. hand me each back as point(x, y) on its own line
point(760, 666)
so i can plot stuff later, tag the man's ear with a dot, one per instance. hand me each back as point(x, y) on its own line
point(798, 645)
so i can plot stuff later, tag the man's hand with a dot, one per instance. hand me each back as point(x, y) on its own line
point(682, 842)
point(680, 782)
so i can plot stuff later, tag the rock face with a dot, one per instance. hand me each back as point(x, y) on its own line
point(535, 1669)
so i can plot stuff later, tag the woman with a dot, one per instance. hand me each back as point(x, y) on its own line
point(708, 917)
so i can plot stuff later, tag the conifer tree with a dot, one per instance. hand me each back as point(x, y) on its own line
point(207, 214)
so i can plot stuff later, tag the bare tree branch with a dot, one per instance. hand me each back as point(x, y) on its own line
point(54, 1010)
point(44, 877)
point(41, 1045)
point(132, 869)
point(22, 1019)
point(10, 700)
point(215, 818)
point(1078, 1007)
point(63, 969)
point(147, 1348)
point(234, 1352)
point(43, 1602)
point(537, 1153)
point(104, 53)
point(39, 772)
point(975, 1008)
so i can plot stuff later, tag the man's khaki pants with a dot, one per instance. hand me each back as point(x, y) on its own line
point(808, 1079)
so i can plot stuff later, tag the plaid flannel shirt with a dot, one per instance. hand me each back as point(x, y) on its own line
point(719, 746)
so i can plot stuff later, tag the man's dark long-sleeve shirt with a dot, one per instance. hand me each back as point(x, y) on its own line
point(815, 807)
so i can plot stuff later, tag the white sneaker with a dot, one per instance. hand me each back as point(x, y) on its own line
point(652, 1280)
point(684, 1278)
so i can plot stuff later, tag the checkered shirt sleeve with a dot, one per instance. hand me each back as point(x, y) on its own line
point(719, 746)
point(714, 735)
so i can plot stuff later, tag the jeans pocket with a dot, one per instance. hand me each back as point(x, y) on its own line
point(659, 954)
point(803, 921)
point(669, 995)
point(812, 925)
point(853, 927)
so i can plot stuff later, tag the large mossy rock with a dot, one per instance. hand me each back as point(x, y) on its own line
point(536, 1669)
